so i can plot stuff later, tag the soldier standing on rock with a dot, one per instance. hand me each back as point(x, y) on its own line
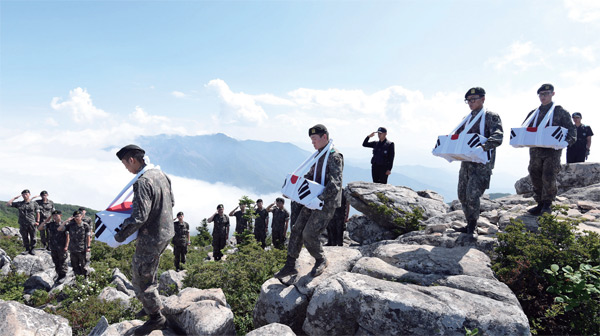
point(261, 223)
point(27, 219)
point(279, 227)
point(241, 223)
point(181, 240)
point(544, 163)
point(311, 223)
point(383, 155)
point(45, 208)
point(57, 239)
point(151, 218)
point(579, 151)
point(78, 242)
point(220, 231)
point(474, 178)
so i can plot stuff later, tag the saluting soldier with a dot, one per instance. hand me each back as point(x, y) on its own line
point(383, 155)
point(45, 209)
point(281, 217)
point(261, 223)
point(28, 223)
point(474, 178)
point(241, 222)
point(544, 163)
point(57, 239)
point(78, 242)
point(311, 223)
point(220, 231)
point(181, 240)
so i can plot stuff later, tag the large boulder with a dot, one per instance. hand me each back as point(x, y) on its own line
point(10, 232)
point(121, 283)
point(112, 294)
point(365, 231)
point(171, 282)
point(19, 319)
point(4, 263)
point(40, 280)
point(29, 265)
point(122, 328)
point(589, 194)
point(273, 329)
point(572, 175)
point(384, 203)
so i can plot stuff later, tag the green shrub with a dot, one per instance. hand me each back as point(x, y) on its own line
point(520, 261)
point(13, 246)
point(203, 238)
point(11, 286)
point(403, 221)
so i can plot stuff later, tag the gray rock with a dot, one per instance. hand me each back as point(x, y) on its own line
point(485, 204)
point(171, 282)
point(10, 232)
point(273, 329)
point(19, 319)
point(4, 259)
point(573, 175)
point(121, 283)
point(280, 303)
point(589, 193)
point(112, 294)
point(446, 239)
point(31, 264)
point(40, 280)
point(365, 231)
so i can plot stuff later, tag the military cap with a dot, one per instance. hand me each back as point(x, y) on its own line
point(280, 199)
point(179, 214)
point(44, 192)
point(123, 151)
point(546, 87)
point(57, 212)
point(381, 130)
point(259, 200)
point(317, 129)
point(475, 91)
point(576, 114)
point(220, 206)
point(81, 209)
point(76, 212)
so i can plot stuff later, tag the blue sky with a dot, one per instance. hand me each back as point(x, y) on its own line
point(77, 77)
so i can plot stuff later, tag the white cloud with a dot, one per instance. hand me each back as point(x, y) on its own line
point(178, 94)
point(237, 107)
point(51, 122)
point(587, 53)
point(583, 10)
point(140, 116)
point(519, 56)
point(79, 105)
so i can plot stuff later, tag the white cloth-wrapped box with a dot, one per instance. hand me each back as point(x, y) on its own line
point(547, 137)
point(462, 147)
point(108, 221)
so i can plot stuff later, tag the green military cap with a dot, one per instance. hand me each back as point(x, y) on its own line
point(26, 191)
point(317, 129)
point(179, 214)
point(220, 206)
point(546, 87)
point(57, 212)
point(576, 114)
point(123, 151)
point(44, 192)
point(475, 91)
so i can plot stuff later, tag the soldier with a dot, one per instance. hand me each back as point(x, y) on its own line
point(241, 223)
point(78, 242)
point(45, 208)
point(544, 163)
point(85, 217)
point(579, 151)
point(88, 220)
point(311, 223)
point(295, 209)
point(261, 223)
point(220, 231)
point(181, 240)
point(337, 224)
point(383, 155)
point(281, 218)
point(57, 240)
point(474, 178)
point(151, 218)
point(27, 219)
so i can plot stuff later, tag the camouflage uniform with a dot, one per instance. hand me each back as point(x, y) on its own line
point(311, 223)
point(151, 217)
point(295, 209)
point(45, 210)
point(78, 235)
point(180, 242)
point(337, 225)
point(544, 163)
point(56, 242)
point(27, 217)
point(241, 224)
point(278, 226)
point(474, 178)
point(260, 230)
point(219, 235)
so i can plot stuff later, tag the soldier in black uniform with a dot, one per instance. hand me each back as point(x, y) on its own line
point(27, 219)
point(279, 227)
point(181, 240)
point(220, 231)
point(46, 207)
point(579, 151)
point(78, 242)
point(57, 239)
point(241, 222)
point(383, 155)
point(261, 223)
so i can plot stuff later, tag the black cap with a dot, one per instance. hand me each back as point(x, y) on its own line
point(259, 200)
point(576, 114)
point(220, 206)
point(280, 199)
point(123, 151)
point(76, 212)
point(179, 214)
point(81, 209)
point(475, 91)
point(44, 192)
point(26, 191)
point(317, 129)
point(381, 130)
point(57, 212)
point(546, 87)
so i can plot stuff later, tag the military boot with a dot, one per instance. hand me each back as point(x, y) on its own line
point(536, 210)
point(320, 266)
point(156, 321)
point(31, 250)
point(546, 208)
point(471, 226)
point(288, 269)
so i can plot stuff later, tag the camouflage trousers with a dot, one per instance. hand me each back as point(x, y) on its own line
point(59, 258)
point(78, 261)
point(473, 180)
point(44, 237)
point(144, 268)
point(28, 236)
point(307, 229)
point(544, 165)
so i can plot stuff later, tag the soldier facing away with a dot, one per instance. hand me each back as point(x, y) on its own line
point(27, 219)
point(78, 242)
point(151, 217)
point(311, 223)
point(57, 239)
point(220, 231)
point(181, 240)
point(281, 218)
point(544, 163)
point(474, 178)
point(45, 209)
